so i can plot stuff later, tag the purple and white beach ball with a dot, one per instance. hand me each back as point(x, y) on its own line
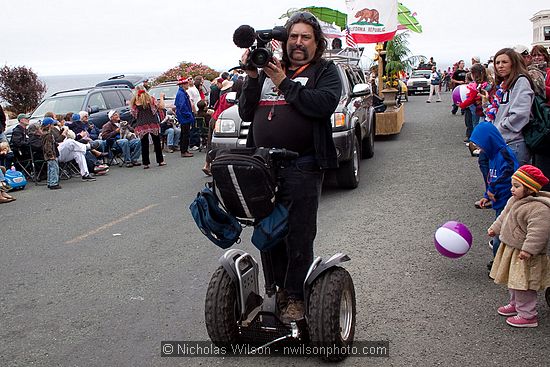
point(460, 93)
point(453, 239)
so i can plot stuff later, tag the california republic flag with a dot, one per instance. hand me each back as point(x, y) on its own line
point(372, 21)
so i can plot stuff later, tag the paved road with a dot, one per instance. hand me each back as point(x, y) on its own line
point(97, 274)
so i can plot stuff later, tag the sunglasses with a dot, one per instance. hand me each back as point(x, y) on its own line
point(303, 15)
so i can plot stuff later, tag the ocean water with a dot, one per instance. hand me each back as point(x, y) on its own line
point(57, 83)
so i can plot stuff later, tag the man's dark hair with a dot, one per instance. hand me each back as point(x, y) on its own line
point(307, 18)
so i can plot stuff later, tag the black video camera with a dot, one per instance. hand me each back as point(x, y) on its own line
point(245, 36)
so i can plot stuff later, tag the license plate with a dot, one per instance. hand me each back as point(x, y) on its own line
point(420, 88)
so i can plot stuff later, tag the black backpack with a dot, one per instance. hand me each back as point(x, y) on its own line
point(537, 132)
point(244, 182)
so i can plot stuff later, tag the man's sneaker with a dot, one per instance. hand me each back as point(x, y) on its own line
point(54, 187)
point(507, 310)
point(128, 164)
point(194, 148)
point(101, 167)
point(101, 173)
point(186, 154)
point(518, 321)
point(490, 244)
point(293, 311)
point(88, 177)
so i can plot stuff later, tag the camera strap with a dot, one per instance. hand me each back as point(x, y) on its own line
point(296, 73)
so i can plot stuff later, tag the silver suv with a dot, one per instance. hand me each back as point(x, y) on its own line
point(353, 124)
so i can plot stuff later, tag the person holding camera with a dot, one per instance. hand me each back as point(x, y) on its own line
point(290, 103)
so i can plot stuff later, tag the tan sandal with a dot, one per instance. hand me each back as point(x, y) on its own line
point(7, 196)
point(5, 200)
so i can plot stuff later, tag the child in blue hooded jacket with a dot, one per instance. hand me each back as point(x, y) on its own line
point(502, 165)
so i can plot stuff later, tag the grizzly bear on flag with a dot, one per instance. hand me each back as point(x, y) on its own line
point(370, 14)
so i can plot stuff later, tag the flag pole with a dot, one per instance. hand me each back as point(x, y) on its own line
point(380, 50)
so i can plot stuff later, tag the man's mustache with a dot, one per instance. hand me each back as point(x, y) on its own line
point(297, 47)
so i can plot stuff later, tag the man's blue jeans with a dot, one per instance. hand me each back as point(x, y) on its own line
point(521, 151)
point(299, 191)
point(131, 149)
point(173, 136)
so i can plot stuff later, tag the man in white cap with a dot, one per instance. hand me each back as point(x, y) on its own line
point(131, 149)
point(537, 76)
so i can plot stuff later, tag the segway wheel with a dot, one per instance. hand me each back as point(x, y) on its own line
point(331, 312)
point(221, 309)
point(547, 295)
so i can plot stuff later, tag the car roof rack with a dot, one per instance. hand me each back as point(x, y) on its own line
point(348, 55)
point(121, 85)
point(71, 90)
point(88, 88)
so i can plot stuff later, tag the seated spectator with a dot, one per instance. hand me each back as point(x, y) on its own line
point(170, 127)
point(6, 155)
point(131, 149)
point(63, 122)
point(70, 149)
point(93, 131)
point(20, 138)
point(92, 154)
point(4, 187)
point(80, 127)
point(35, 140)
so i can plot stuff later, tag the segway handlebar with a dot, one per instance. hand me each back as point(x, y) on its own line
point(282, 154)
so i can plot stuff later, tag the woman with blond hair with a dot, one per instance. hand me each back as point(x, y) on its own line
point(144, 108)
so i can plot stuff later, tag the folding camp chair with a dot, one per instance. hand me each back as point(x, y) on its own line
point(115, 153)
point(201, 129)
point(30, 163)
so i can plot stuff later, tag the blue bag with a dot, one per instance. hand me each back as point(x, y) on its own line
point(15, 179)
point(272, 229)
point(219, 226)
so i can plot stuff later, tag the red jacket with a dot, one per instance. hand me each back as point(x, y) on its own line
point(221, 106)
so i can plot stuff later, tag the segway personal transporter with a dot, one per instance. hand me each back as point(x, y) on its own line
point(237, 313)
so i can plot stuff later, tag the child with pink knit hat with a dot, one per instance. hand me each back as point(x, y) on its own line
point(522, 262)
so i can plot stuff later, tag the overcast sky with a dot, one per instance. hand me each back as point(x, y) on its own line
point(60, 37)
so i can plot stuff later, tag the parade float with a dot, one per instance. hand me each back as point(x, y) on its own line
point(387, 24)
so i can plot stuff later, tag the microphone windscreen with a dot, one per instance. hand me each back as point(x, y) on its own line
point(244, 36)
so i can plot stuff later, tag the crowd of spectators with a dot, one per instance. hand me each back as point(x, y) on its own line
point(60, 145)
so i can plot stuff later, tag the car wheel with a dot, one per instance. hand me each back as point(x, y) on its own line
point(367, 147)
point(347, 175)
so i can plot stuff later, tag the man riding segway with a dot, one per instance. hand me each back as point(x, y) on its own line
point(275, 184)
point(290, 103)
